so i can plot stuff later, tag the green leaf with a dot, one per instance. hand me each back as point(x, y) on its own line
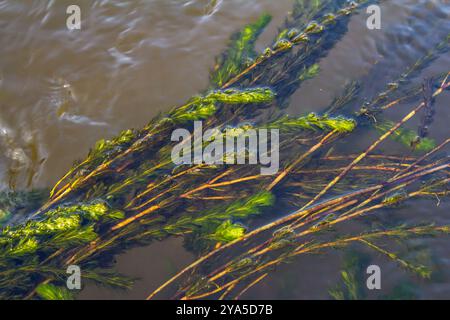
point(51, 292)
point(228, 232)
point(310, 72)
point(314, 122)
point(352, 275)
point(407, 137)
point(240, 51)
point(235, 96)
point(23, 247)
point(103, 146)
point(45, 227)
point(4, 216)
point(250, 206)
point(201, 108)
point(74, 237)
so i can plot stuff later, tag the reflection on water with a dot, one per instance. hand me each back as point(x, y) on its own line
point(60, 91)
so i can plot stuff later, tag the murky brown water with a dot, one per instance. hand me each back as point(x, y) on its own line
point(60, 91)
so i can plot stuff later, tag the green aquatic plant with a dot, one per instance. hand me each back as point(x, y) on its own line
point(199, 111)
point(315, 122)
point(4, 216)
point(402, 291)
point(396, 198)
point(202, 108)
point(127, 192)
point(211, 220)
point(310, 73)
point(51, 292)
point(61, 227)
point(105, 146)
point(240, 52)
point(234, 96)
point(22, 247)
point(310, 213)
point(39, 228)
point(283, 83)
point(306, 8)
point(407, 137)
point(352, 276)
point(227, 232)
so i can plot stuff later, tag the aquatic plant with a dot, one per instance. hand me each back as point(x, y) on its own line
point(127, 192)
point(407, 137)
point(51, 292)
point(240, 52)
point(315, 122)
point(351, 274)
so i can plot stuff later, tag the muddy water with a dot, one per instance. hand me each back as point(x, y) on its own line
point(60, 91)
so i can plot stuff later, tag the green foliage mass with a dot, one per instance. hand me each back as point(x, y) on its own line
point(51, 292)
point(248, 207)
point(352, 277)
point(62, 226)
point(198, 111)
point(407, 137)
point(103, 146)
point(241, 49)
point(310, 72)
point(203, 107)
point(93, 211)
point(46, 227)
point(34, 250)
point(4, 216)
point(301, 7)
point(217, 224)
point(235, 96)
point(210, 220)
point(396, 198)
point(315, 122)
point(227, 232)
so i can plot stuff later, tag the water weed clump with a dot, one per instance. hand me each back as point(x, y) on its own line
point(128, 192)
point(315, 122)
point(240, 52)
point(407, 137)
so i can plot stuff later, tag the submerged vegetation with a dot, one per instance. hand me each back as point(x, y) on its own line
point(127, 192)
